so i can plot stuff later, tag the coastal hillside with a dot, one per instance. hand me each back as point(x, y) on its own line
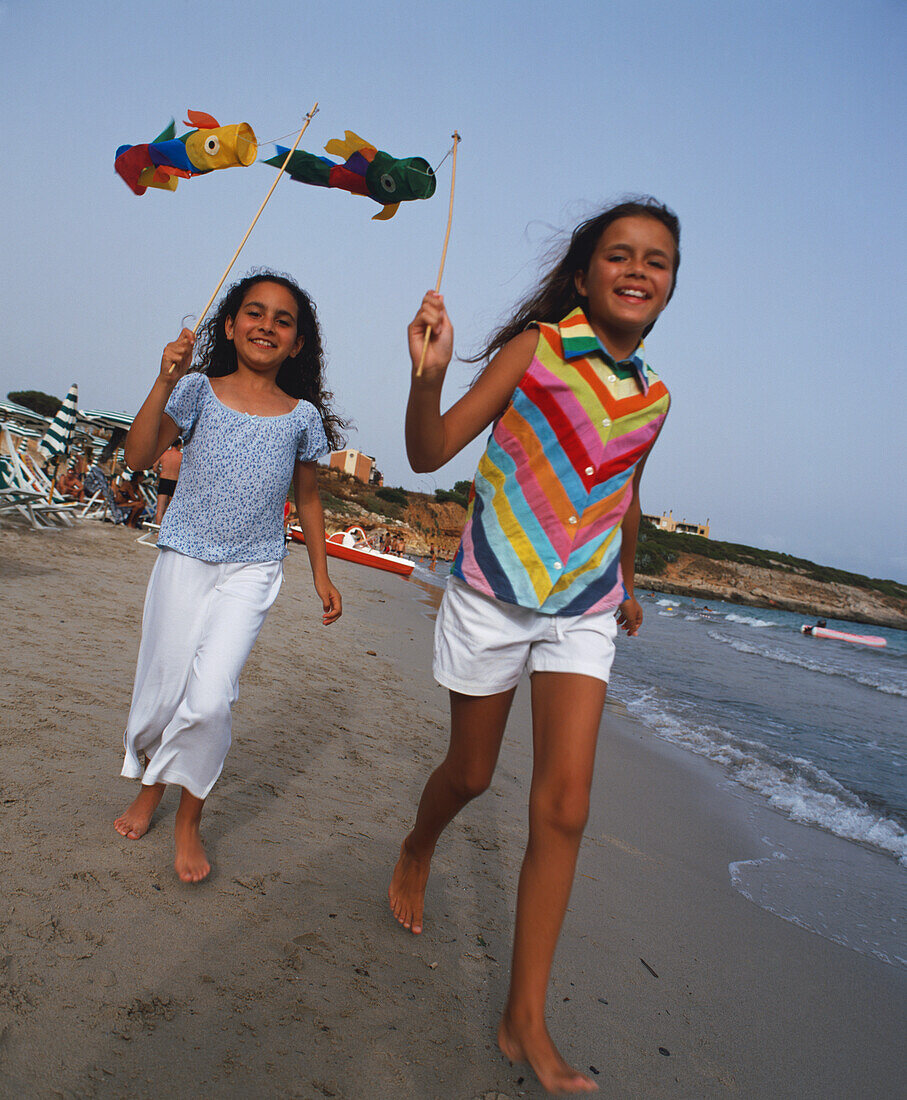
point(684, 565)
point(756, 586)
point(688, 565)
point(420, 519)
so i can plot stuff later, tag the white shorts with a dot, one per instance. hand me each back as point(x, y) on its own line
point(482, 645)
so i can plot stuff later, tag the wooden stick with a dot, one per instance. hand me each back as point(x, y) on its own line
point(453, 179)
point(308, 119)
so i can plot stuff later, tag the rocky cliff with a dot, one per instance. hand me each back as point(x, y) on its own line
point(421, 522)
point(705, 578)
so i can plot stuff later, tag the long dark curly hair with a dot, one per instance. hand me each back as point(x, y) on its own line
point(300, 376)
point(557, 295)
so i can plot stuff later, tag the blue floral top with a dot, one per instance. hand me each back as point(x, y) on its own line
point(236, 470)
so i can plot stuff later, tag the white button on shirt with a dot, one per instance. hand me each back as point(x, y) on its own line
point(590, 470)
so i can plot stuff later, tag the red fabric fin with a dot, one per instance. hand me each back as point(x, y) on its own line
point(202, 120)
point(129, 165)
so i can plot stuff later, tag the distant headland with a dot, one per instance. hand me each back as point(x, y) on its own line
point(666, 561)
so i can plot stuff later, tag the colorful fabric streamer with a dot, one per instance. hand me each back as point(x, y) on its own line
point(366, 171)
point(163, 161)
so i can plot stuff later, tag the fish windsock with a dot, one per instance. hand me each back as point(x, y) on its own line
point(365, 171)
point(163, 161)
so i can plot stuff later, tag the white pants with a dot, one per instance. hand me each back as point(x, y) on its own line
point(200, 622)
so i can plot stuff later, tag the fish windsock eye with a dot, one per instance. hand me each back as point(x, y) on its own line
point(212, 145)
point(388, 184)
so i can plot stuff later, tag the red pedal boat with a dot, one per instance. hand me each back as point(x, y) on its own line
point(353, 545)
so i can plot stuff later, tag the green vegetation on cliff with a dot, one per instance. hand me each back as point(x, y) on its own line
point(657, 548)
point(459, 494)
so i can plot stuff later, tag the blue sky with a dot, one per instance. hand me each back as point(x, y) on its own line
point(773, 129)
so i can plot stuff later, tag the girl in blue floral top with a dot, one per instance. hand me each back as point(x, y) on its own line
point(254, 416)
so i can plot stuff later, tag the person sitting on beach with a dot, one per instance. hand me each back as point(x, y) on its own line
point(254, 415)
point(126, 493)
point(575, 411)
point(168, 470)
point(74, 476)
point(70, 484)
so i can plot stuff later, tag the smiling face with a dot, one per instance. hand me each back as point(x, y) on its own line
point(264, 330)
point(628, 281)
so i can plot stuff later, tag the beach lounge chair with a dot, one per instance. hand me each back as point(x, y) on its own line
point(95, 507)
point(15, 502)
point(29, 491)
point(149, 534)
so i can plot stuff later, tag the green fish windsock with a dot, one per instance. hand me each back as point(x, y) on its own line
point(366, 171)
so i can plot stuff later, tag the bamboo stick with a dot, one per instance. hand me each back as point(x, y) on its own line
point(308, 119)
point(453, 179)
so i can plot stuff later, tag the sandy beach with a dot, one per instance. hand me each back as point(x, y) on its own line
point(284, 973)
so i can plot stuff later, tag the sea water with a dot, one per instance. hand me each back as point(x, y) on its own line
point(816, 728)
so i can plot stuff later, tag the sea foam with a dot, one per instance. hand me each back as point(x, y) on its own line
point(774, 653)
point(748, 620)
point(792, 785)
point(841, 900)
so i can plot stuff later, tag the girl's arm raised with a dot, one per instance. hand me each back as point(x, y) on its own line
point(311, 520)
point(153, 431)
point(432, 438)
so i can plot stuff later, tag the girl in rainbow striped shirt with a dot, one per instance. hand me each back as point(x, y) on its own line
point(544, 572)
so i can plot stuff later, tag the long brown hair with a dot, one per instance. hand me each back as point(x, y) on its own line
point(300, 376)
point(556, 295)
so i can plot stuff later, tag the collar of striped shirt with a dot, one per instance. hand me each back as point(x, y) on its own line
point(580, 342)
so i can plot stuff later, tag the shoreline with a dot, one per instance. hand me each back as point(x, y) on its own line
point(285, 974)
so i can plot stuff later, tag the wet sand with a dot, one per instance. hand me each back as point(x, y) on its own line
point(284, 974)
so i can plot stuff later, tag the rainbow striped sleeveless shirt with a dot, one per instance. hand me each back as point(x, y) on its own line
point(543, 526)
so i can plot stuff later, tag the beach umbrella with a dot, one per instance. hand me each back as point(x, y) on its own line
point(56, 439)
point(101, 418)
point(19, 414)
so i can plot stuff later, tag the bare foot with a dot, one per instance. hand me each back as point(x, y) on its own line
point(407, 889)
point(534, 1045)
point(191, 863)
point(135, 821)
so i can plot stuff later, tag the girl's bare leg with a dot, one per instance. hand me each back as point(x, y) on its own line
point(566, 712)
point(135, 820)
point(476, 729)
point(190, 862)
